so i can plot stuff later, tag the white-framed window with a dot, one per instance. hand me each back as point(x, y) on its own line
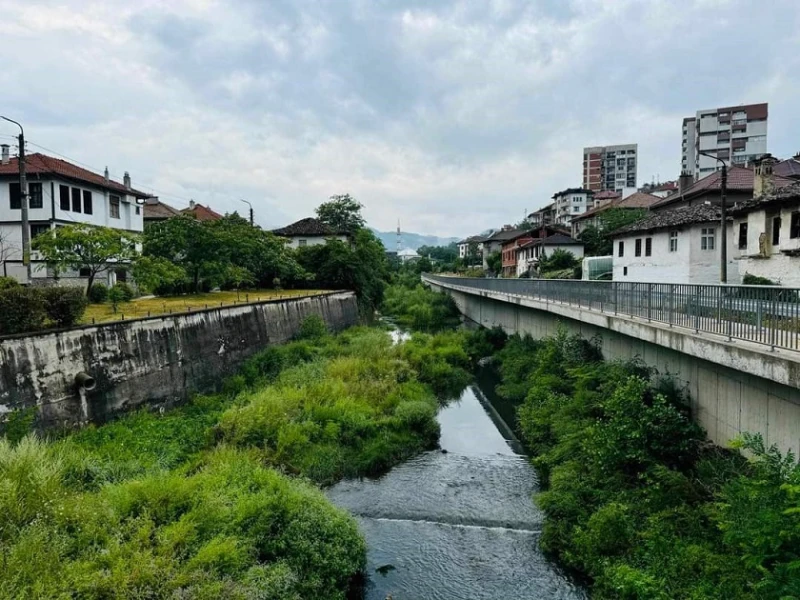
point(708, 238)
point(673, 241)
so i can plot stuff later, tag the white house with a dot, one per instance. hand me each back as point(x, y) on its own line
point(766, 232)
point(60, 193)
point(475, 242)
point(309, 232)
point(570, 203)
point(529, 253)
point(680, 245)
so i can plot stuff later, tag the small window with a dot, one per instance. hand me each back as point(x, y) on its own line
point(648, 247)
point(35, 192)
point(84, 272)
point(114, 206)
point(673, 241)
point(624, 270)
point(39, 230)
point(87, 202)
point(76, 200)
point(776, 231)
point(63, 192)
point(122, 275)
point(15, 194)
point(138, 210)
point(707, 238)
point(621, 251)
point(637, 250)
point(302, 242)
point(743, 236)
point(794, 226)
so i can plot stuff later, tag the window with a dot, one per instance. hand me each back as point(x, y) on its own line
point(637, 251)
point(35, 195)
point(15, 194)
point(673, 241)
point(576, 209)
point(302, 243)
point(648, 247)
point(122, 275)
point(114, 206)
point(624, 270)
point(794, 226)
point(39, 229)
point(138, 210)
point(707, 237)
point(76, 200)
point(742, 236)
point(84, 272)
point(87, 202)
point(63, 192)
point(776, 231)
point(621, 251)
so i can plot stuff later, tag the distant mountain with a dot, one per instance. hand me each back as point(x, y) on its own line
point(411, 240)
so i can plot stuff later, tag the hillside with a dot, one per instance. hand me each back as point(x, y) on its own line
point(412, 240)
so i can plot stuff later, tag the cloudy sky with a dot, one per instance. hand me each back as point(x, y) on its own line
point(452, 115)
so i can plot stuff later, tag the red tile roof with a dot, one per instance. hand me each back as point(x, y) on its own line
point(788, 168)
point(607, 195)
point(155, 210)
point(41, 164)
point(637, 200)
point(201, 213)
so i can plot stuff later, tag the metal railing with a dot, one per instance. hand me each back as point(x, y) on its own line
point(767, 315)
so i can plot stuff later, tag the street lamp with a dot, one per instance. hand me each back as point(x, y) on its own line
point(251, 210)
point(23, 192)
point(723, 188)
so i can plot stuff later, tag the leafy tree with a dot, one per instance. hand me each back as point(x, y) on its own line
point(560, 259)
point(424, 265)
point(86, 247)
point(598, 240)
point(495, 261)
point(152, 272)
point(443, 254)
point(342, 213)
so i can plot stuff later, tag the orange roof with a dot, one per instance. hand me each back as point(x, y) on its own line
point(201, 213)
point(637, 200)
point(41, 164)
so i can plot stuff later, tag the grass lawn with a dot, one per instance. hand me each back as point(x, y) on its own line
point(143, 307)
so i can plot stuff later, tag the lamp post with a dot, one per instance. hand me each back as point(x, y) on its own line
point(723, 189)
point(251, 210)
point(23, 192)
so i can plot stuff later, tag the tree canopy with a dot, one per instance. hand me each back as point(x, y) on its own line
point(598, 240)
point(342, 213)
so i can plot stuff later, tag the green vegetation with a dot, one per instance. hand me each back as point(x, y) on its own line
point(598, 239)
point(200, 502)
point(562, 264)
point(749, 279)
point(636, 498)
point(415, 307)
point(24, 309)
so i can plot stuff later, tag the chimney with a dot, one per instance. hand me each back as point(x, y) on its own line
point(126, 180)
point(105, 174)
point(797, 156)
point(762, 180)
point(684, 181)
point(4, 156)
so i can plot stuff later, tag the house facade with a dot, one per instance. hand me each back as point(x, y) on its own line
point(494, 243)
point(543, 217)
point(570, 203)
point(309, 232)
point(591, 218)
point(470, 248)
point(510, 254)
point(681, 245)
point(532, 250)
point(61, 193)
point(766, 232)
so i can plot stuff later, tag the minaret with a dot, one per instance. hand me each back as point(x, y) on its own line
point(399, 244)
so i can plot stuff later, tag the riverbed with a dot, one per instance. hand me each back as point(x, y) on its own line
point(459, 522)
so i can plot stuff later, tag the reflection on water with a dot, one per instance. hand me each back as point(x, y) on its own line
point(456, 523)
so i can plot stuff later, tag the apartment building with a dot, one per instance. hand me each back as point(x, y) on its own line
point(570, 203)
point(735, 134)
point(611, 168)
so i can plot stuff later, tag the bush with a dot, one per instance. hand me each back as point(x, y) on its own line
point(126, 292)
point(64, 306)
point(313, 327)
point(749, 279)
point(8, 282)
point(98, 293)
point(22, 309)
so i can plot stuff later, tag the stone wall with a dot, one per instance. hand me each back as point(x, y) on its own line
point(156, 361)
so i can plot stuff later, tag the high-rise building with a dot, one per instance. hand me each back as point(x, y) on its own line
point(610, 168)
point(735, 134)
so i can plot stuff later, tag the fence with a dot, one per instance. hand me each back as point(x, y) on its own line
point(767, 315)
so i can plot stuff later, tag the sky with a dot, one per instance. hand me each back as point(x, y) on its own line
point(453, 116)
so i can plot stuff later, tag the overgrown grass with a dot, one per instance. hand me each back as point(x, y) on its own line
point(415, 307)
point(202, 502)
point(637, 499)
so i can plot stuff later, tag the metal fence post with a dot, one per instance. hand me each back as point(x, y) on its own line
point(649, 301)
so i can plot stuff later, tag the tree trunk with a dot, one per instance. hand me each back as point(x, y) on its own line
point(90, 283)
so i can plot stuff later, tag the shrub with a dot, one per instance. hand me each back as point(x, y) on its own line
point(313, 327)
point(98, 293)
point(8, 282)
point(22, 309)
point(749, 279)
point(126, 292)
point(64, 306)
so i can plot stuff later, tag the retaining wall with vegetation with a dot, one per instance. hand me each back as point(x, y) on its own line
point(156, 361)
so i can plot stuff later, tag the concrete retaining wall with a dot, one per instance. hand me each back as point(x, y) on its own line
point(734, 386)
point(158, 360)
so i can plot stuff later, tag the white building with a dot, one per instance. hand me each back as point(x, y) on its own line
point(570, 203)
point(735, 134)
point(408, 255)
point(529, 253)
point(309, 232)
point(680, 245)
point(611, 168)
point(473, 242)
point(60, 193)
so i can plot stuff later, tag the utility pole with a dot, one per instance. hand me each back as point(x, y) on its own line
point(251, 212)
point(723, 237)
point(23, 191)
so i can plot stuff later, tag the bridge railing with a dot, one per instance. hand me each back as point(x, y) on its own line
point(767, 315)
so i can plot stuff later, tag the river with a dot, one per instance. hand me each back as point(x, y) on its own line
point(457, 523)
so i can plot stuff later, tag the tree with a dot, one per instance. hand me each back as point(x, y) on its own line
point(598, 240)
point(86, 247)
point(443, 254)
point(342, 213)
point(495, 262)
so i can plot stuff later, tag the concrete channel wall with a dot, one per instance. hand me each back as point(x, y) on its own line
point(734, 386)
point(156, 361)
